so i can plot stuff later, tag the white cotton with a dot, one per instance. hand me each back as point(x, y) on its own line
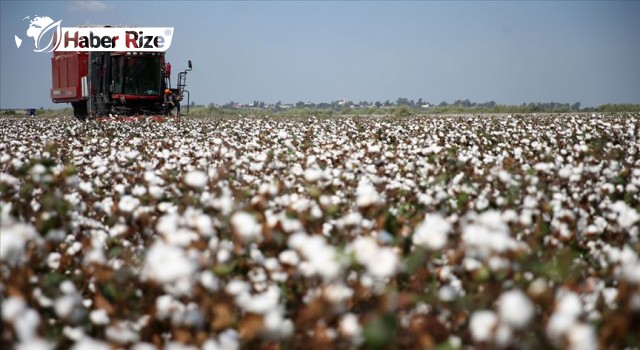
point(384, 264)
point(181, 237)
point(229, 340)
point(364, 248)
point(568, 309)
point(26, 324)
point(14, 236)
point(156, 191)
point(122, 333)
point(432, 232)
point(569, 304)
point(313, 174)
point(147, 346)
point(349, 325)
point(565, 172)
point(167, 224)
point(166, 263)
point(503, 335)
point(12, 307)
point(487, 235)
point(380, 262)
point(209, 280)
point(128, 204)
point(321, 259)
point(246, 226)
point(515, 309)
point(73, 333)
point(447, 293)
point(87, 343)
point(237, 287)
point(631, 271)
point(610, 295)
point(289, 257)
point(85, 186)
point(627, 216)
point(139, 190)
point(165, 304)
point(337, 292)
point(65, 305)
point(481, 203)
point(275, 325)
point(366, 194)
point(262, 303)
point(374, 149)
point(482, 324)
point(35, 344)
point(196, 179)
point(582, 337)
point(99, 317)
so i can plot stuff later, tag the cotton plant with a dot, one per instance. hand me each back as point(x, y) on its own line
point(334, 232)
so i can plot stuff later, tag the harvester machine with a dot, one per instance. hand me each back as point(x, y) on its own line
point(119, 84)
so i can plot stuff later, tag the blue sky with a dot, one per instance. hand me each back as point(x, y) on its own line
point(511, 52)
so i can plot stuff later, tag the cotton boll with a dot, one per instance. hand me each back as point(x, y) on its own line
point(229, 340)
point(565, 172)
point(432, 232)
point(128, 204)
point(237, 287)
point(196, 179)
point(209, 281)
point(337, 293)
point(482, 325)
point(627, 216)
point(349, 326)
point(65, 305)
point(515, 309)
point(365, 248)
point(261, 303)
point(87, 343)
point(313, 174)
point(503, 335)
point(366, 194)
point(276, 326)
point(26, 324)
point(139, 190)
point(447, 293)
point(12, 307)
point(384, 264)
point(73, 333)
point(14, 236)
point(321, 258)
point(99, 317)
point(121, 333)
point(569, 304)
point(166, 263)
point(289, 257)
point(582, 337)
point(246, 226)
point(35, 344)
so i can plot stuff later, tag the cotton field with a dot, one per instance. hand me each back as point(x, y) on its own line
point(446, 232)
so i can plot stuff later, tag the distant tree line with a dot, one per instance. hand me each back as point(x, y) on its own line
point(421, 106)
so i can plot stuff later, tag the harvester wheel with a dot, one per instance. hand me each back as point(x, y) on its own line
point(80, 110)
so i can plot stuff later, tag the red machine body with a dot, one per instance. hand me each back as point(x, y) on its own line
point(67, 70)
point(101, 83)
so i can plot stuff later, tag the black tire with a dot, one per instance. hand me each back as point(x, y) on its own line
point(80, 110)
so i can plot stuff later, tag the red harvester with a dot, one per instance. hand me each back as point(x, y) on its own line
point(129, 83)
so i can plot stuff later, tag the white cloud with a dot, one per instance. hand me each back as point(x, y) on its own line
point(88, 6)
